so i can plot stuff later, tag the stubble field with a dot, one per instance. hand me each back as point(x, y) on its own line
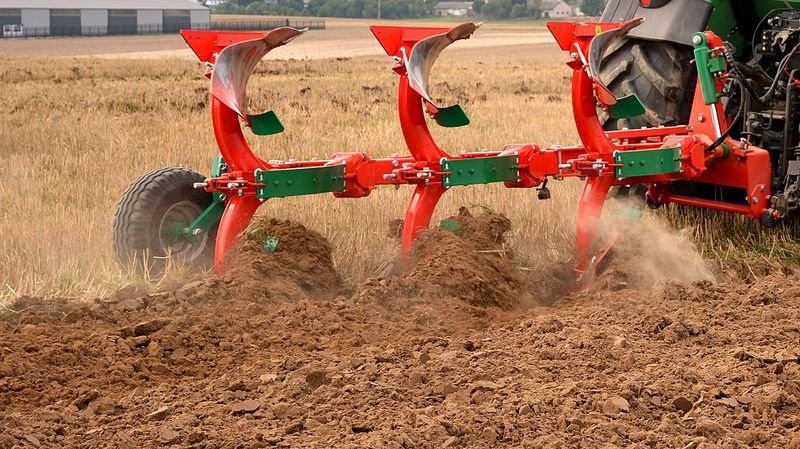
point(689, 340)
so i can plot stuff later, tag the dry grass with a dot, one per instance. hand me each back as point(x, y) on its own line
point(76, 132)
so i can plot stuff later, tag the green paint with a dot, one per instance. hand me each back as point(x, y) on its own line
point(265, 124)
point(723, 20)
point(206, 220)
point(452, 117)
point(451, 225)
point(707, 66)
point(173, 233)
point(630, 213)
point(270, 244)
point(764, 7)
point(723, 23)
point(647, 162)
point(479, 170)
point(626, 107)
point(213, 213)
point(300, 181)
point(218, 167)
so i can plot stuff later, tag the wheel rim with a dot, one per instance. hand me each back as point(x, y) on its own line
point(174, 241)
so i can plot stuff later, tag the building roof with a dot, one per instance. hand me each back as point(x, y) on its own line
point(450, 5)
point(101, 4)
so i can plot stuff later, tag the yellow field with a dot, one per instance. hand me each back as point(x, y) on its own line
point(78, 131)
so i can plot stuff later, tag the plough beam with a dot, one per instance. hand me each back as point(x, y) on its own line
point(653, 156)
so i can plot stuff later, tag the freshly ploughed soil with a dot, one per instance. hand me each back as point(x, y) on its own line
point(451, 351)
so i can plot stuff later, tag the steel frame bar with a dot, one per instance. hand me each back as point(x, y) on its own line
point(735, 164)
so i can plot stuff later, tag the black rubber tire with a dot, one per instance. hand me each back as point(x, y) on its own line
point(659, 73)
point(136, 230)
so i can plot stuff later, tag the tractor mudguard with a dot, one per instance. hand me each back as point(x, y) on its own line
point(676, 21)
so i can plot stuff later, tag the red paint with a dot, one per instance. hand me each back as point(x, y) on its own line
point(747, 168)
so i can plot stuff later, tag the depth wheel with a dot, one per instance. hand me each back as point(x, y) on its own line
point(149, 224)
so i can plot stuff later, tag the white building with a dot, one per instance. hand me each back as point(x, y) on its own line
point(453, 9)
point(91, 17)
point(557, 9)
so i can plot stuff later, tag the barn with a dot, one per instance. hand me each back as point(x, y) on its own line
point(98, 17)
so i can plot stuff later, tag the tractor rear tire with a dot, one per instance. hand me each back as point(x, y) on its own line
point(149, 219)
point(659, 73)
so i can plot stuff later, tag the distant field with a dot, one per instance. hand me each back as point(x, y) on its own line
point(342, 38)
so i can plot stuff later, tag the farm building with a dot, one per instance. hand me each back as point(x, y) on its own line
point(93, 17)
point(453, 9)
point(554, 9)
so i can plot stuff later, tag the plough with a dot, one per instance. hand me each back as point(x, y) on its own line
point(186, 213)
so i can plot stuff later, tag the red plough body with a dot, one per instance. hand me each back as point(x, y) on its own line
point(605, 159)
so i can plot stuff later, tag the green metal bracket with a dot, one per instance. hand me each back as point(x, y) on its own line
point(480, 170)
point(629, 213)
point(450, 225)
point(206, 220)
point(270, 244)
point(213, 212)
point(707, 67)
point(300, 181)
point(452, 117)
point(265, 124)
point(658, 161)
point(218, 167)
point(626, 107)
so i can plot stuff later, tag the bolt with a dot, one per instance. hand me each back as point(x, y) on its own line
point(700, 118)
point(697, 39)
point(395, 163)
point(240, 192)
point(755, 200)
point(197, 232)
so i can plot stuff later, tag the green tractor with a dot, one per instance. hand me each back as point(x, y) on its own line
point(655, 63)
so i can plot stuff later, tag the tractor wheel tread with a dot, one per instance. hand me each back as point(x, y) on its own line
point(657, 73)
point(660, 75)
point(134, 226)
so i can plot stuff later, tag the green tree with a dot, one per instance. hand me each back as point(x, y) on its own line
point(592, 7)
point(498, 9)
point(518, 11)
